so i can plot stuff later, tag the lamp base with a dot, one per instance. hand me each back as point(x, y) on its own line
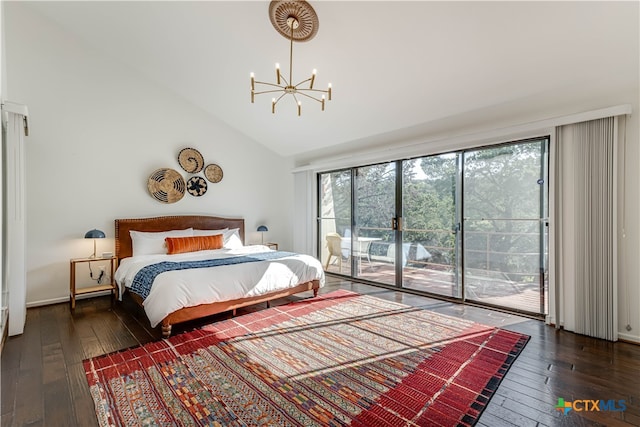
point(94, 250)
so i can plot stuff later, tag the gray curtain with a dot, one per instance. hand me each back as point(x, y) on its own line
point(585, 213)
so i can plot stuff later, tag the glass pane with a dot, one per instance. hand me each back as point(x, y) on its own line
point(429, 238)
point(373, 238)
point(504, 228)
point(334, 221)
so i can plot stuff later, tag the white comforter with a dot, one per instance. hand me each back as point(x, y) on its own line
point(173, 290)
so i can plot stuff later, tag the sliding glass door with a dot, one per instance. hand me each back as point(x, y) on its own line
point(431, 223)
point(334, 221)
point(505, 225)
point(374, 238)
point(468, 225)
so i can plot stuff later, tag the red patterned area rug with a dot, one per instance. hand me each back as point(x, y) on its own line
point(338, 359)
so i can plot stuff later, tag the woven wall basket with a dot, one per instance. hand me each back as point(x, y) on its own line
point(196, 186)
point(166, 185)
point(191, 160)
point(213, 173)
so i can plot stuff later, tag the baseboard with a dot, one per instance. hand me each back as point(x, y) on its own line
point(5, 332)
point(64, 299)
point(635, 339)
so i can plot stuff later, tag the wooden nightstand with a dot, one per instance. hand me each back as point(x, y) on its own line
point(110, 286)
point(273, 246)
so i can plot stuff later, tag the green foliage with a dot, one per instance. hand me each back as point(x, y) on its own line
point(499, 183)
point(341, 198)
point(502, 207)
point(375, 202)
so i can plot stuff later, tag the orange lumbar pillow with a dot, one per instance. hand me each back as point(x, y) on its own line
point(179, 245)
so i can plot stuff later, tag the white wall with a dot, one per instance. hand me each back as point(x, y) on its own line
point(98, 130)
point(3, 62)
point(3, 91)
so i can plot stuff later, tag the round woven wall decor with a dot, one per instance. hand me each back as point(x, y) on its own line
point(301, 11)
point(196, 186)
point(191, 160)
point(166, 185)
point(213, 173)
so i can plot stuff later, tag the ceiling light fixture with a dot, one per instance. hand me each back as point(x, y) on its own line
point(295, 20)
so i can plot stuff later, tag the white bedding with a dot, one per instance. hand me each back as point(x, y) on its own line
point(173, 290)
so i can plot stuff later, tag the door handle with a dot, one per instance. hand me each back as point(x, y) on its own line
point(396, 223)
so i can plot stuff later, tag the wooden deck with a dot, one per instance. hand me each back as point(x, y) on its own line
point(481, 288)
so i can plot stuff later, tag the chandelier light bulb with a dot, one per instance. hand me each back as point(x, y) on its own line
point(313, 78)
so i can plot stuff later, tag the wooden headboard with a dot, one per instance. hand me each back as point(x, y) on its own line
point(165, 223)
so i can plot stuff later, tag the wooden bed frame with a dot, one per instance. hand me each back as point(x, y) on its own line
point(164, 223)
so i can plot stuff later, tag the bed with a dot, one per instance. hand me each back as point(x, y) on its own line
point(278, 275)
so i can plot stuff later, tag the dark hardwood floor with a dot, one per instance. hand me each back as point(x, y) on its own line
point(43, 382)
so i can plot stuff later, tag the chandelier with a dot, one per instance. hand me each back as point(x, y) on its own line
point(295, 20)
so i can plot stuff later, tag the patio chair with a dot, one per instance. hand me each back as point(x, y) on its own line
point(334, 245)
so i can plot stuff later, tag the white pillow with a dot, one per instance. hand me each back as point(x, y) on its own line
point(209, 232)
point(152, 243)
point(231, 239)
point(162, 234)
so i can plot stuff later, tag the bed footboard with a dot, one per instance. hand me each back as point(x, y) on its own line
point(204, 310)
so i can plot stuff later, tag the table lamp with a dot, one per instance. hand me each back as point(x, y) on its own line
point(262, 229)
point(94, 234)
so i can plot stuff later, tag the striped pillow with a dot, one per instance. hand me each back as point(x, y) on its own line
point(179, 245)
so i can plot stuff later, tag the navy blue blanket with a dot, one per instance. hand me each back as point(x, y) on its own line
point(144, 278)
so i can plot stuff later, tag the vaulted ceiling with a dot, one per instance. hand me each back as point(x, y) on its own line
point(398, 69)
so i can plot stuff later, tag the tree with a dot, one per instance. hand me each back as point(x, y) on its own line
point(500, 184)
